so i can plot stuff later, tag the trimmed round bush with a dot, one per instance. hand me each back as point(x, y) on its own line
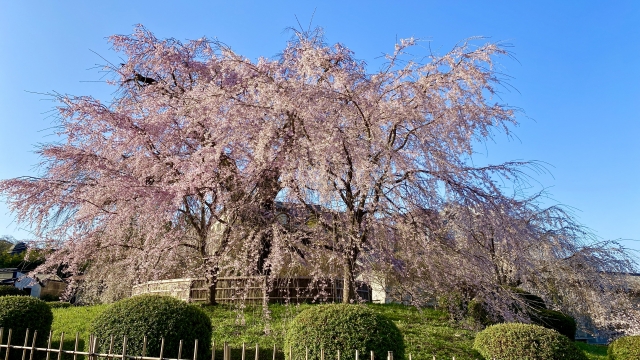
point(625, 348)
point(345, 328)
point(156, 317)
point(20, 313)
point(525, 341)
point(8, 290)
point(564, 324)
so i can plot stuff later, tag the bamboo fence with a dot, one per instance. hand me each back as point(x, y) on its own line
point(31, 352)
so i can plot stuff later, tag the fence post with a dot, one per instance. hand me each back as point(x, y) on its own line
point(338, 354)
point(33, 344)
point(321, 354)
point(161, 348)
point(195, 350)
point(372, 357)
point(124, 347)
point(257, 351)
point(90, 356)
point(243, 350)
point(75, 348)
point(48, 342)
point(26, 340)
point(144, 346)
point(290, 354)
point(6, 355)
point(274, 351)
point(306, 353)
point(358, 357)
point(179, 350)
point(2, 338)
point(93, 347)
point(213, 350)
point(110, 347)
point(60, 348)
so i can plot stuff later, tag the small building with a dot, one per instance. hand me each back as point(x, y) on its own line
point(40, 285)
point(8, 276)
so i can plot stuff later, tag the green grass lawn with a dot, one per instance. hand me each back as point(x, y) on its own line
point(594, 352)
point(427, 332)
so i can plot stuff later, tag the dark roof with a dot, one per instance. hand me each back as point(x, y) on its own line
point(18, 248)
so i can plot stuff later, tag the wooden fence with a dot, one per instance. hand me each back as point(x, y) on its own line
point(31, 352)
point(253, 289)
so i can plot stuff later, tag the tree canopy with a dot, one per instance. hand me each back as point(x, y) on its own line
point(191, 165)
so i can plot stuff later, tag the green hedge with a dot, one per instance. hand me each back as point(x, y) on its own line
point(625, 348)
point(156, 317)
point(58, 304)
point(9, 290)
point(345, 328)
point(49, 298)
point(20, 313)
point(525, 341)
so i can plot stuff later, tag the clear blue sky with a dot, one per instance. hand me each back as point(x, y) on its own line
point(577, 75)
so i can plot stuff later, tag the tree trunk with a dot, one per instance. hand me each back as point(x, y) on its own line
point(348, 282)
point(213, 285)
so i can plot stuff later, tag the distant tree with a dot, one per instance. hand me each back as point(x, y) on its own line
point(6, 242)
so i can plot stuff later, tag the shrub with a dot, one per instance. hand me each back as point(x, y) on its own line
point(25, 312)
point(8, 290)
point(345, 328)
point(525, 341)
point(49, 298)
point(58, 304)
point(478, 313)
point(625, 348)
point(156, 317)
point(564, 324)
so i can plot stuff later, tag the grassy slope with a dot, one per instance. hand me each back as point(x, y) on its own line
point(427, 332)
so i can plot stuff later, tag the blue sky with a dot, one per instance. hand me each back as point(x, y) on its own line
point(576, 75)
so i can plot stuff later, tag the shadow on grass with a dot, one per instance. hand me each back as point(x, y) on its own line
point(593, 352)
